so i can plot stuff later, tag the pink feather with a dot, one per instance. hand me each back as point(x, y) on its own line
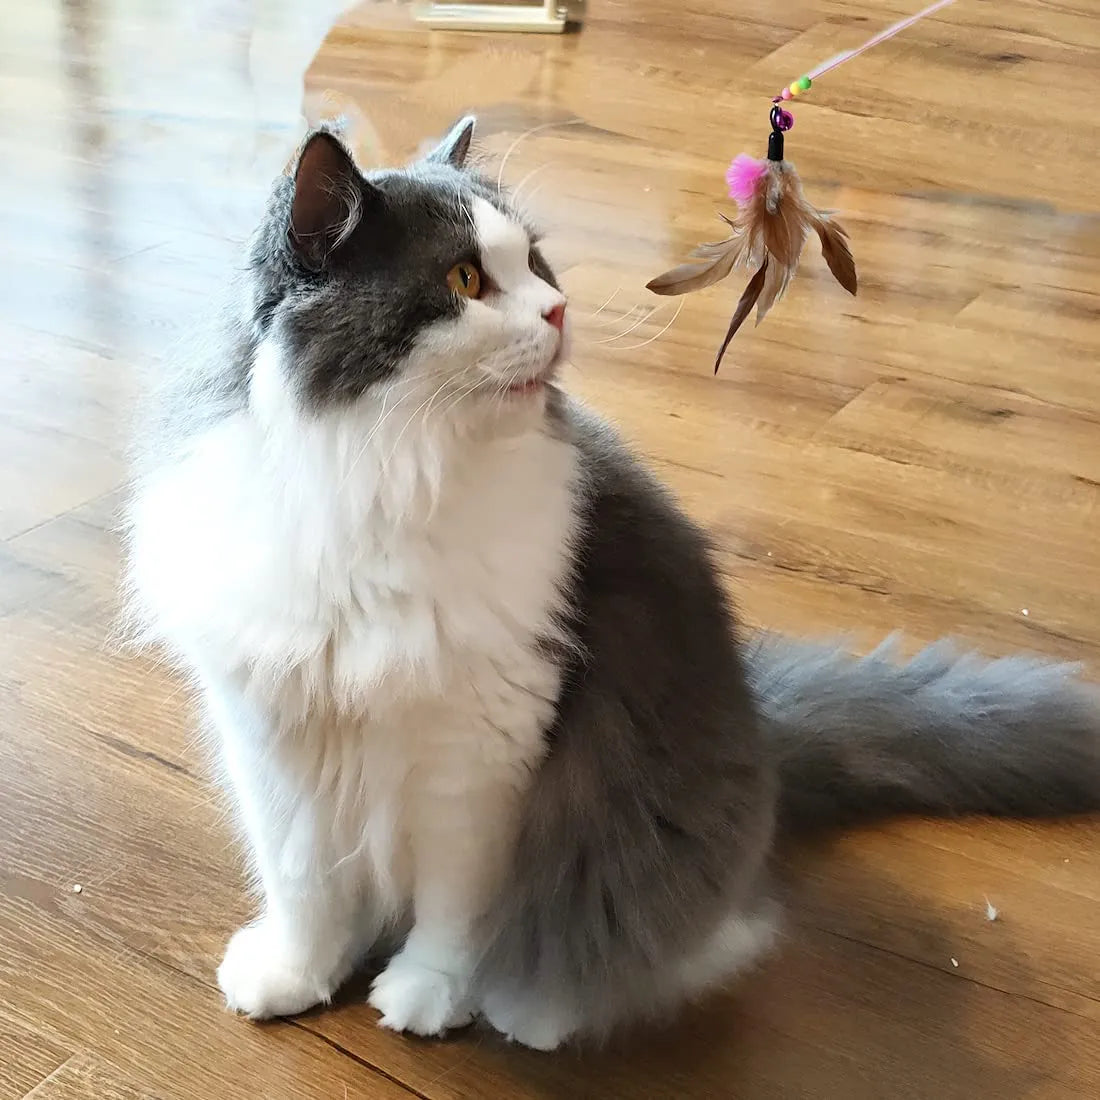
point(743, 175)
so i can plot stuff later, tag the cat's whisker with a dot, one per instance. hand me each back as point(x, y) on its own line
point(445, 408)
point(464, 209)
point(405, 427)
point(428, 407)
point(412, 417)
point(526, 179)
point(513, 378)
point(627, 331)
point(500, 391)
point(523, 137)
point(366, 442)
point(383, 416)
point(533, 192)
point(656, 336)
point(607, 322)
point(460, 396)
point(609, 300)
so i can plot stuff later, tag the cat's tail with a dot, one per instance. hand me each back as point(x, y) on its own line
point(946, 733)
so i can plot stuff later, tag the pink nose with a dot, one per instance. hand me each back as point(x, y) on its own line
point(556, 317)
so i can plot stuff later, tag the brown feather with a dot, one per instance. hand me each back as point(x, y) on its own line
point(712, 249)
point(716, 248)
point(744, 308)
point(688, 277)
point(837, 253)
point(779, 219)
point(775, 282)
point(785, 217)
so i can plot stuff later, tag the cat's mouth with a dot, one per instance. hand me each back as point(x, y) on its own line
point(527, 387)
point(530, 386)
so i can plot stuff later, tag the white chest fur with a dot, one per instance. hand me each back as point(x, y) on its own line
point(362, 596)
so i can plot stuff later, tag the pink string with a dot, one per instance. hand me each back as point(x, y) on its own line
point(882, 36)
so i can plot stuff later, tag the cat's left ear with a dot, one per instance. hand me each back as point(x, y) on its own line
point(455, 147)
point(329, 196)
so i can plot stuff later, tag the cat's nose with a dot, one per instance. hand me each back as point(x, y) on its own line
point(556, 316)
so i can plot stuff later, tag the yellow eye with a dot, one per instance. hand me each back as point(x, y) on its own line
point(464, 279)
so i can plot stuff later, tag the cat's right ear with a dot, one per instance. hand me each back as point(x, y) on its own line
point(455, 147)
point(329, 195)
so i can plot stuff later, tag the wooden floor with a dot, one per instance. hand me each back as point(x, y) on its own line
point(925, 457)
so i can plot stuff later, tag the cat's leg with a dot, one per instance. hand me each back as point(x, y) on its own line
point(739, 942)
point(312, 929)
point(461, 823)
point(534, 1021)
point(543, 1020)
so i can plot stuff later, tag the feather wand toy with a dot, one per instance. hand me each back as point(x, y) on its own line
point(774, 217)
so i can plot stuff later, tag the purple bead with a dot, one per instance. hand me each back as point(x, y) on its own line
point(784, 120)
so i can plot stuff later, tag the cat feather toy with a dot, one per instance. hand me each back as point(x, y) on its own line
point(774, 217)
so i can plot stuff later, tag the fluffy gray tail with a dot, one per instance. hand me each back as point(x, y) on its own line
point(944, 734)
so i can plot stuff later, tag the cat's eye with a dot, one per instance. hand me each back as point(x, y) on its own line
point(465, 279)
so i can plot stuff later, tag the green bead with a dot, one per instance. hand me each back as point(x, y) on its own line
point(804, 83)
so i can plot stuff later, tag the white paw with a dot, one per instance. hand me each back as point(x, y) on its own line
point(412, 997)
point(540, 1027)
point(260, 978)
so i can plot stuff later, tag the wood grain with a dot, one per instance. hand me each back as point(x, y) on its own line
point(924, 457)
point(29, 1058)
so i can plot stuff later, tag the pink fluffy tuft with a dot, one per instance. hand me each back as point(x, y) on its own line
point(743, 174)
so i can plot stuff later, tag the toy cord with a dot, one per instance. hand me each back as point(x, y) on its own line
point(802, 85)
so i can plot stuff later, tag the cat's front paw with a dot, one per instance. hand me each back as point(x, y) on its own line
point(538, 1025)
point(261, 977)
point(413, 997)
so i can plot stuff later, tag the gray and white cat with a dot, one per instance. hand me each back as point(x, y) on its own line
point(474, 685)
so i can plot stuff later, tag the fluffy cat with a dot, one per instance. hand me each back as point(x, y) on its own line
point(474, 686)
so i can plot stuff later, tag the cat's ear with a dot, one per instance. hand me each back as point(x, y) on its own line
point(329, 194)
point(455, 147)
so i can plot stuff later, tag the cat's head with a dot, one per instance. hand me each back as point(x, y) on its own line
point(406, 280)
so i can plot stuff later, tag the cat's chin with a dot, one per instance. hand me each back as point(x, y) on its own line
point(535, 386)
point(521, 409)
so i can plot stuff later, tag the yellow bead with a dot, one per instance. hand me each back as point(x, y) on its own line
point(794, 89)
